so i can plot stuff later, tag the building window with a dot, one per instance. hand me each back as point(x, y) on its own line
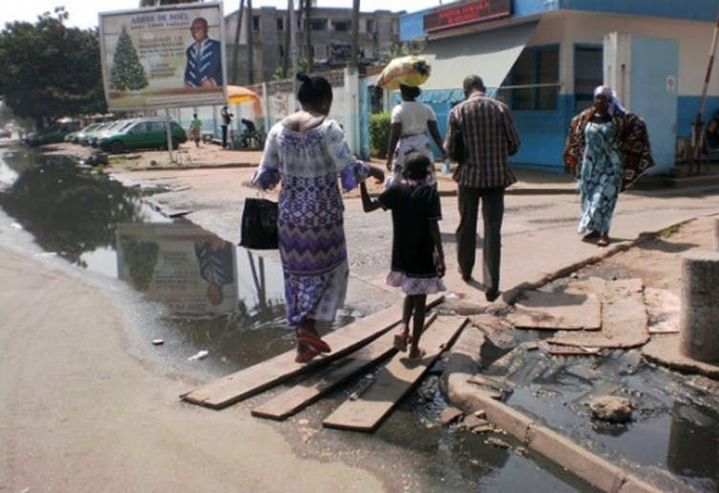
point(281, 50)
point(588, 74)
point(533, 82)
point(342, 26)
point(395, 26)
point(318, 24)
point(280, 24)
point(369, 23)
point(255, 22)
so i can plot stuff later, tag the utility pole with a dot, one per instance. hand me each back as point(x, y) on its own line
point(354, 54)
point(250, 44)
point(698, 127)
point(236, 48)
point(308, 34)
point(293, 38)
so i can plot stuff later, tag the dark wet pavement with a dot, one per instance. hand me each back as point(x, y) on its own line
point(203, 293)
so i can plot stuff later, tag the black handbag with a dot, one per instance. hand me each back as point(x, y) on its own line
point(259, 225)
point(456, 144)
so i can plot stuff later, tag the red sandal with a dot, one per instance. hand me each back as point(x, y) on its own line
point(313, 342)
point(306, 353)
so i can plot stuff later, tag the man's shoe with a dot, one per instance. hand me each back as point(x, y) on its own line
point(465, 277)
point(491, 295)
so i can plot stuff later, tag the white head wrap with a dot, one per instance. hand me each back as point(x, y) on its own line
point(611, 95)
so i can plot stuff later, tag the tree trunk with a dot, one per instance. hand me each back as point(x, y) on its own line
point(250, 44)
point(308, 35)
point(236, 47)
point(354, 55)
point(286, 59)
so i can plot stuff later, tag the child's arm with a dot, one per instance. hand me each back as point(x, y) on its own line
point(368, 203)
point(437, 240)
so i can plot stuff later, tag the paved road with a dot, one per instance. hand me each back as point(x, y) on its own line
point(539, 229)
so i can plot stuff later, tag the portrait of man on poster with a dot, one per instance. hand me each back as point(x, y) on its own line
point(204, 58)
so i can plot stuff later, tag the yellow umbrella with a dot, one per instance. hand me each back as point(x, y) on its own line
point(242, 95)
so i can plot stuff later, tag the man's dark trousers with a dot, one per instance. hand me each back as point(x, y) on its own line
point(224, 136)
point(492, 214)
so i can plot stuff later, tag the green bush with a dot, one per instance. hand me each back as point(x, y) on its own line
point(379, 130)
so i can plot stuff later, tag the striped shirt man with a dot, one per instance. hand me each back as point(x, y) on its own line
point(489, 137)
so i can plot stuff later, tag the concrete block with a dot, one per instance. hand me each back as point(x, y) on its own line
point(699, 332)
point(576, 459)
point(499, 414)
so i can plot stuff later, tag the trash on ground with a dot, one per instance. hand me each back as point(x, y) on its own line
point(199, 355)
point(158, 342)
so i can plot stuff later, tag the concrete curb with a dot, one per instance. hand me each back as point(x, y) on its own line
point(463, 362)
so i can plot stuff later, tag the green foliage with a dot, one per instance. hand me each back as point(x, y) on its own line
point(49, 70)
point(303, 65)
point(126, 73)
point(379, 131)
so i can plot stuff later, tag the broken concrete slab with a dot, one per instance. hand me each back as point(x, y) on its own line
point(611, 408)
point(557, 311)
point(497, 330)
point(471, 422)
point(663, 308)
point(624, 319)
point(664, 350)
point(561, 350)
point(449, 415)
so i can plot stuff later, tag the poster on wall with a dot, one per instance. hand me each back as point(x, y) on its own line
point(163, 57)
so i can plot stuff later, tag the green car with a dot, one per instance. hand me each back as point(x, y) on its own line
point(143, 133)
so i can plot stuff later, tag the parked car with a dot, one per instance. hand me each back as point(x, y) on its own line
point(142, 133)
point(109, 129)
point(80, 134)
point(84, 139)
point(53, 134)
point(5, 133)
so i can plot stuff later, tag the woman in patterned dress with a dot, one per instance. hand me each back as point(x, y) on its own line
point(305, 153)
point(607, 149)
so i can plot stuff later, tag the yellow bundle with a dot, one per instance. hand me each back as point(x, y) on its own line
point(410, 70)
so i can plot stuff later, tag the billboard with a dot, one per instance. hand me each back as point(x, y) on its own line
point(163, 57)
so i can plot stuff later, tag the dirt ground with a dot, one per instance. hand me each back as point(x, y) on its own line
point(658, 261)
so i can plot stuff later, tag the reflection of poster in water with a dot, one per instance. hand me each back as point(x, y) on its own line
point(168, 56)
point(181, 265)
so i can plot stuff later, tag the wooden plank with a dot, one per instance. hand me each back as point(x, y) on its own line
point(302, 395)
point(394, 380)
point(247, 382)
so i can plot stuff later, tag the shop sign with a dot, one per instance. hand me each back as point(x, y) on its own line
point(467, 13)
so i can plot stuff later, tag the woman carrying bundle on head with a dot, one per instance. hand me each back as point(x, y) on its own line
point(307, 152)
point(411, 120)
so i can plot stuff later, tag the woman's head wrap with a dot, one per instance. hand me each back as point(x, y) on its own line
point(611, 95)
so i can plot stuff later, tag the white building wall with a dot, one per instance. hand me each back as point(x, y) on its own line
point(590, 28)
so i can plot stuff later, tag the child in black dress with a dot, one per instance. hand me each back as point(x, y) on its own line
point(417, 256)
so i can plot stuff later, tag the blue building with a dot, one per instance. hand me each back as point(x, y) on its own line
point(545, 57)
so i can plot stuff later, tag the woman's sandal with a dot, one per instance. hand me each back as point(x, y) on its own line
point(305, 353)
point(603, 241)
point(314, 342)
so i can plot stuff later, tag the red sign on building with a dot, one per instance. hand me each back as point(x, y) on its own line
point(467, 13)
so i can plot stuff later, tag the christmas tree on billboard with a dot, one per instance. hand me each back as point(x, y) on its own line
point(126, 71)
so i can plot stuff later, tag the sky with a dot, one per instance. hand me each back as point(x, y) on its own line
point(83, 13)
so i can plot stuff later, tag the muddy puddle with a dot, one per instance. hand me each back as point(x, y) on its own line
point(672, 439)
point(206, 294)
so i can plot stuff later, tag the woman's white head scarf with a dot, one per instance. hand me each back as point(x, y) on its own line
point(611, 95)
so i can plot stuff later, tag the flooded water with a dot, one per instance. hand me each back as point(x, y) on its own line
point(674, 434)
point(209, 295)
